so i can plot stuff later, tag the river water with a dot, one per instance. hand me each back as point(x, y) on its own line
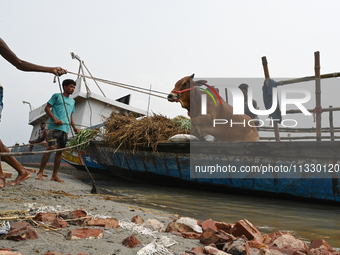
point(305, 221)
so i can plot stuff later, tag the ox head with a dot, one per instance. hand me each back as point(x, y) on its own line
point(181, 89)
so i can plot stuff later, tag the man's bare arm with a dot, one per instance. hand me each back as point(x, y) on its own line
point(22, 65)
point(51, 115)
point(46, 133)
point(76, 130)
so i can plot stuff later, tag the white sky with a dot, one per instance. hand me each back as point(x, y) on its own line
point(158, 42)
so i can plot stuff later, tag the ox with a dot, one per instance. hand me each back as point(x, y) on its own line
point(187, 93)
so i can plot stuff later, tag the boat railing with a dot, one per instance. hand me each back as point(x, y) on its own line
point(317, 110)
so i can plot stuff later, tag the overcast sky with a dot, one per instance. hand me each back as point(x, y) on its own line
point(159, 42)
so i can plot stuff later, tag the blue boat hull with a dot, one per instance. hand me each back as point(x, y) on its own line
point(35, 159)
point(67, 161)
point(174, 164)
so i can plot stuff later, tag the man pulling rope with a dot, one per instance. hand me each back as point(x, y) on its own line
point(5, 52)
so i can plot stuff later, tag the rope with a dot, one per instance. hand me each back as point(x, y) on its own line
point(317, 109)
point(94, 188)
point(39, 152)
point(24, 145)
point(126, 86)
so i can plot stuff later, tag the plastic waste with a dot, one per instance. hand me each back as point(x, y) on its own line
point(5, 227)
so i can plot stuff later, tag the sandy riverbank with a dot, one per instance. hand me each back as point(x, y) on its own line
point(34, 193)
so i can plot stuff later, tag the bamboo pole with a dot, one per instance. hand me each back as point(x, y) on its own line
point(331, 127)
point(317, 94)
point(307, 78)
point(335, 109)
point(266, 74)
point(300, 130)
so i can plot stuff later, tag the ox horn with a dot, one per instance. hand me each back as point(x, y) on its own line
point(192, 76)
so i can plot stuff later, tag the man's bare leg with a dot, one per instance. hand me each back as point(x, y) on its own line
point(57, 160)
point(23, 174)
point(2, 177)
point(43, 163)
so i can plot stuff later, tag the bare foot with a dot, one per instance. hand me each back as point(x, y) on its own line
point(30, 170)
point(56, 179)
point(39, 177)
point(2, 181)
point(20, 178)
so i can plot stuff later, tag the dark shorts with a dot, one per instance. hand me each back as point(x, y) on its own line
point(39, 140)
point(56, 136)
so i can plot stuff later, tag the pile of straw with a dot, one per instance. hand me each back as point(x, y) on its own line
point(126, 132)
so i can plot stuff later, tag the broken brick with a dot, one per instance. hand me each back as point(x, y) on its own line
point(320, 246)
point(45, 217)
point(209, 236)
point(238, 246)
point(191, 235)
point(285, 242)
point(76, 214)
point(131, 241)
point(59, 223)
point(21, 231)
point(154, 225)
point(244, 227)
point(226, 227)
point(86, 233)
point(209, 223)
point(178, 227)
point(137, 219)
point(214, 251)
point(107, 223)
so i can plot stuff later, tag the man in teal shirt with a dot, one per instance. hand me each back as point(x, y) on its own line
point(59, 127)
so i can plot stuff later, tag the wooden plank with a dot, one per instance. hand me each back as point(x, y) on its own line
point(307, 78)
point(300, 130)
point(317, 94)
point(266, 74)
point(331, 127)
point(311, 110)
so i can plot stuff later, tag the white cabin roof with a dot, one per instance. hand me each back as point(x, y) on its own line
point(38, 115)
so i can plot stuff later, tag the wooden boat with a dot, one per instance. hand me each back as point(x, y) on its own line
point(176, 164)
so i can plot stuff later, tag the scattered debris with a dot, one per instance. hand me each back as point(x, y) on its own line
point(158, 246)
point(218, 238)
point(128, 225)
point(4, 227)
